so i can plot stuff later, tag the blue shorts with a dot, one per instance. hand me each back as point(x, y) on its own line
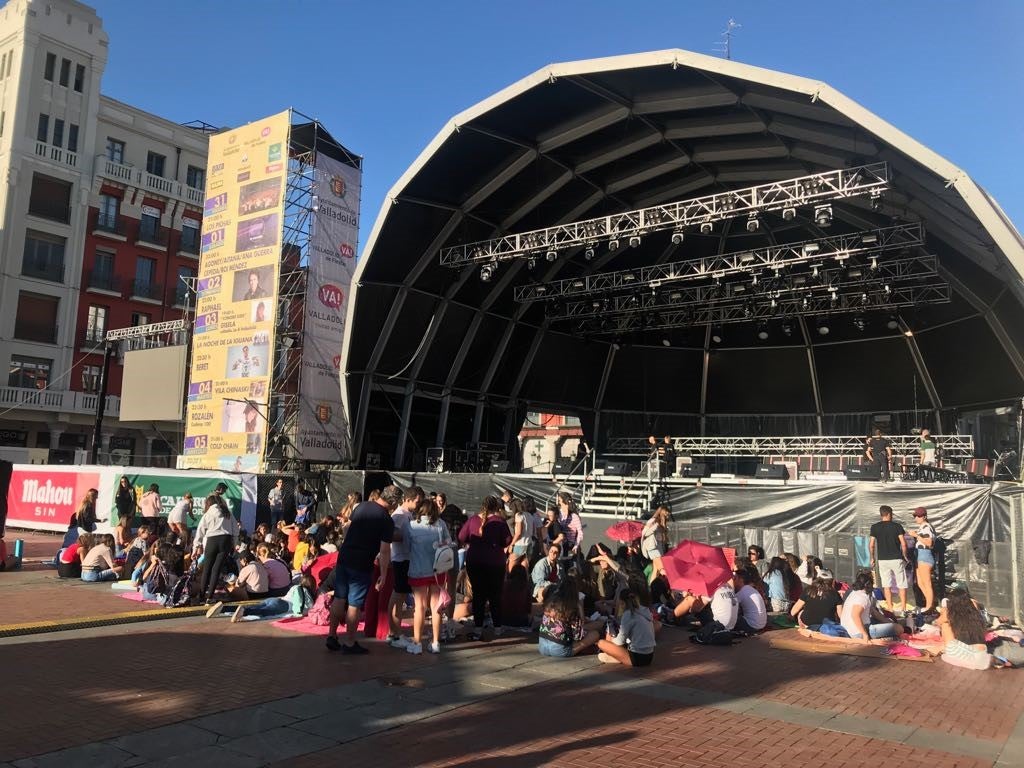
point(549, 647)
point(925, 557)
point(351, 585)
point(886, 631)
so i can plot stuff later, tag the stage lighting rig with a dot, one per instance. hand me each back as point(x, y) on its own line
point(677, 237)
point(753, 224)
point(815, 190)
point(706, 228)
point(774, 259)
point(823, 216)
point(487, 271)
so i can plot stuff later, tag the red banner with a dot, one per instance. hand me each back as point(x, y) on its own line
point(45, 500)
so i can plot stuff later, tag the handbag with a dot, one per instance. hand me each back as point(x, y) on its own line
point(320, 613)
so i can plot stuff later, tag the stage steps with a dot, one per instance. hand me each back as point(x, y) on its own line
point(620, 496)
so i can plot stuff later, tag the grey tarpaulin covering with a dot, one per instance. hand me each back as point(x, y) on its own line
point(960, 512)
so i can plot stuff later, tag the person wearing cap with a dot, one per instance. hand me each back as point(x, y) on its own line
point(924, 535)
point(889, 550)
point(926, 448)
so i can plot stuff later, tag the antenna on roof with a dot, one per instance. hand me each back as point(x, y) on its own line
point(724, 47)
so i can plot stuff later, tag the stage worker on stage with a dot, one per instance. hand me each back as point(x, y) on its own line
point(880, 454)
point(927, 448)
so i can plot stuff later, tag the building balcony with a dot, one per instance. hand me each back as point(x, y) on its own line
point(155, 237)
point(148, 291)
point(56, 401)
point(57, 154)
point(103, 281)
point(189, 245)
point(139, 177)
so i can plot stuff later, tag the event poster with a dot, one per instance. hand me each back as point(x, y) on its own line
point(323, 427)
point(236, 307)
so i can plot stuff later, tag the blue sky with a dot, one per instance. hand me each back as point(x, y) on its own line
point(385, 76)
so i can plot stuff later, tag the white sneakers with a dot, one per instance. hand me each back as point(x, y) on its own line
point(435, 647)
point(406, 643)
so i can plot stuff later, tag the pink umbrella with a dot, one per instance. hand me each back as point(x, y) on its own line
point(625, 530)
point(696, 567)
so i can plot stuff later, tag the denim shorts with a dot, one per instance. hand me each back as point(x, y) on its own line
point(551, 648)
point(886, 631)
point(925, 557)
point(352, 584)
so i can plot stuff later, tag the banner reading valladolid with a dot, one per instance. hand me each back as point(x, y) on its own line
point(233, 341)
point(323, 428)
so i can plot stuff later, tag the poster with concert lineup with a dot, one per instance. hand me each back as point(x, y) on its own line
point(236, 308)
point(323, 428)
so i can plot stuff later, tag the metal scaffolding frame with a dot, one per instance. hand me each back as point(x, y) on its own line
point(953, 446)
point(787, 195)
point(771, 260)
point(282, 450)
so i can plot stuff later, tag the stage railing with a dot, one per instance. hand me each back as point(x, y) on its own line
point(952, 446)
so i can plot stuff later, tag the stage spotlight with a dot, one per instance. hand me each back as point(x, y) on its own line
point(665, 342)
point(876, 200)
point(677, 238)
point(634, 242)
point(788, 214)
point(859, 322)
point(487, 272)
point(752, 223)
point(613, 245)
point(706, 228)
point(551, 255)
point(716, 335)
point(874, 262)
point(762, 331)
point(595, 305)
point(823, 215)
point(811, 248)
point(787, 327)
point(892, 323)
point(531, 263)
point(588, 254)
point(823, 328)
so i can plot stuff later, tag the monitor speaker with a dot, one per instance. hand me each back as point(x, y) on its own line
point(616, 468)
point(693, 470)
point(563, 467)
point(773, 472)
point(863, 472)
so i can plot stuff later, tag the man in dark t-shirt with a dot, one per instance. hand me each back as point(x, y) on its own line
point(880, 454)
point(369, 537)
point(889, 549)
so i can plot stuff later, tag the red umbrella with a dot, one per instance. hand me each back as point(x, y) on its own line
point(625, 530)
point(699, 568)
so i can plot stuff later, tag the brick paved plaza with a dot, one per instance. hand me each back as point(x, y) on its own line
point(190, 691)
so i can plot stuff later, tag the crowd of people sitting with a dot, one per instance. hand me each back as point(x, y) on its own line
point(511, 567)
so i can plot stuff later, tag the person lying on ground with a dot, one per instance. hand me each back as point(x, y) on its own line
point(631, 642)
point(297, 602)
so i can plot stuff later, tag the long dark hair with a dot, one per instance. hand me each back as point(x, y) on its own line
point(564, 601)
point(566, 498)
point(213, 500)
point(864, 582)
point(964, 618)
point(821, 587)
point(781, 565)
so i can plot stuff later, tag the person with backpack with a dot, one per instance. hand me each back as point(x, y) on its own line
point(430, 558)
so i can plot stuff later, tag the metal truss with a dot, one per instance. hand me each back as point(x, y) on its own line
point(871, 298)
point(776, 196)
point(152, 329)
point(953, 446)
point(768, 260)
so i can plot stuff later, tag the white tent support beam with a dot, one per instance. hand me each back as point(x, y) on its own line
point(812, 371)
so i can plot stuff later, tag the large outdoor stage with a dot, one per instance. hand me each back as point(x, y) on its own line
point(968, 513)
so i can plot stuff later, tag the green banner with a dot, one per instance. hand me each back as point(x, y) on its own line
point(173, 489)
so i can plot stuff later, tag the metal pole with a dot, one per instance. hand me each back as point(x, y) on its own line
point(101, 401)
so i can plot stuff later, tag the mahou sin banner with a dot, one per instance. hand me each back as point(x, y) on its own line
point(46, 500)
point(323, 428)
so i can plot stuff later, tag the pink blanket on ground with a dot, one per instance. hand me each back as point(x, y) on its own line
point(135, 597)
point(306, 627)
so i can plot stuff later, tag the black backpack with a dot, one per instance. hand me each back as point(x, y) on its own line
point(712, 633)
